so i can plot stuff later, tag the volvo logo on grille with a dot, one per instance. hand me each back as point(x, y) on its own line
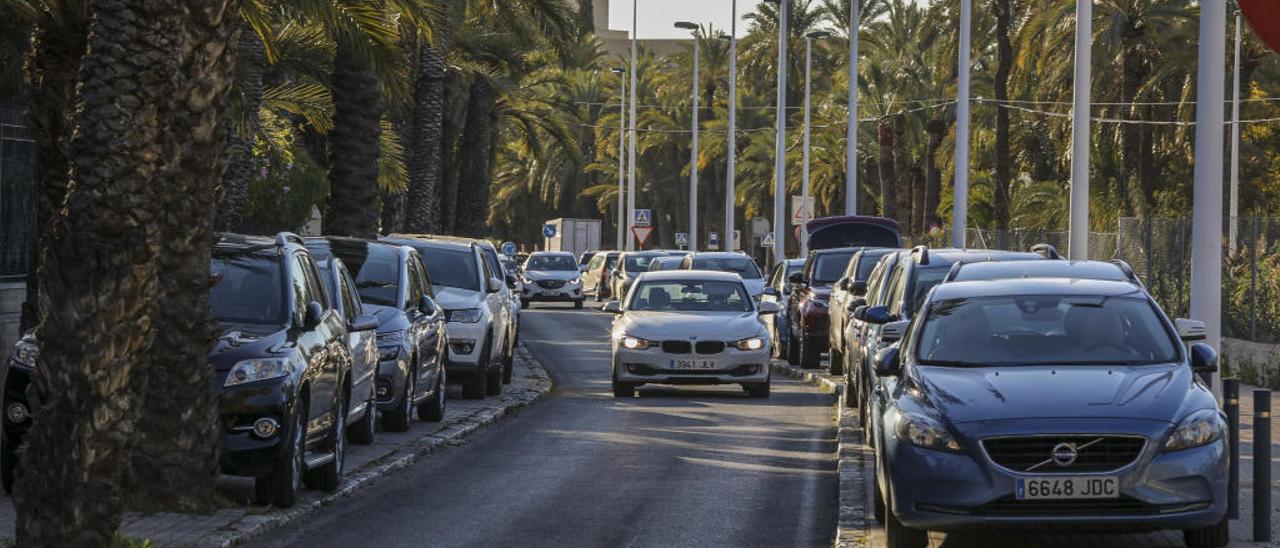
point(1064, 454)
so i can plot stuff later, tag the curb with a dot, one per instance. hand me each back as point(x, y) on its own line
point(853, 462)
point(454, 434)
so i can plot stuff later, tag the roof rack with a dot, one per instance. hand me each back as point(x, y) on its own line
point(921, 254)
point(1047, 251)
point(1128, 271)
point(286, 238)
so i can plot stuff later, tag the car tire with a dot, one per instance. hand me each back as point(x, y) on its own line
point(793, 351)
point(809, 356)
point(877, 500)
point(328, 476)
point(433, 409)
point(362, 432)
point(757, 390)
point(8, 465)
point(508, 363)
point(599, 294)
point(577, 305)
point(1213, 536)
point(836, 364)
point(850, 393)
point(494, 384)
point(524, 303)
point(622, 389)
point(897, 535)
point(476, 387)
point(397, 420)
point(280, 487)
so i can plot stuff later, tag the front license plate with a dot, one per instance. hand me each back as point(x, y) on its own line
point(1074, 487)
point(693, 364)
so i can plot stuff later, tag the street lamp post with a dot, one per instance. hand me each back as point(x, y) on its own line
point(731, 140)
point(1078, 223)
point(622, 162)
point(780, 144)
point(960, 189)
point(1206, 213)
point(804, 180)
point(631, 154)
point(693, 156)
point(851, 133)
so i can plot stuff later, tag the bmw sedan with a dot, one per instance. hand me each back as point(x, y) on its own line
point(690, 327)
point(1048, 403)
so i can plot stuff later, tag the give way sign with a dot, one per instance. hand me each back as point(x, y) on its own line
point(641, 233)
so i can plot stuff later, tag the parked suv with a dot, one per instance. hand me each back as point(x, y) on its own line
point(392, 284)
point(471, 295)
point(281, 370)
point(595, 278)
point(362, 401)
point(807, 315)
point(551, 276)
point(849, 289)
point(630, 265)
point(1054, 402)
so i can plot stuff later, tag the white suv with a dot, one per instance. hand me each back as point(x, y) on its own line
point(477, 311)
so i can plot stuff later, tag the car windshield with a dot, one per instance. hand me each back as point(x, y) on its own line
point(741, 266)
point(865, 266)
point(690, 296)
point(610, 262)
point(551, 262)
point(452, 268)
point(665, 263)
point(828, 267)
point(376, 269)
point(926, 279)
point(638, 263)
point(1044, 330)
point(248, 289)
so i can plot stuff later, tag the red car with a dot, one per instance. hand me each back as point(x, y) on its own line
point(808, 316)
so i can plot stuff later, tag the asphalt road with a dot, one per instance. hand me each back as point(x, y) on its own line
point(679, 466)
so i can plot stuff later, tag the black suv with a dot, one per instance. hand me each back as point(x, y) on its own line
point(393, 286)
point(280, 367)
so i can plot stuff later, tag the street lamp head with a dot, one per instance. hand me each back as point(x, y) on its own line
point(617, 70)
point(725, 37)
point(686, 25)
point(817, 34)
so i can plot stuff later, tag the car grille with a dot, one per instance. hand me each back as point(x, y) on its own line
point(709, 347)
point(1035, 453)
point(688, 347)
point(1009, 506)
point(551, 284)
point(677, 347)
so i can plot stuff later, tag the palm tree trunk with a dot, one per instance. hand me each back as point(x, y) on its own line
point(422, 204)
point(53, 65)
point(176, 455)
point(1004, 64)
point(936, 128)
point(476, 169)
point(353, 146)
point(903, 182)
point(99, 280)
point(454, 101)
point(888, 177)
point(1132, 76)
point(251, 61)
point(918, 225)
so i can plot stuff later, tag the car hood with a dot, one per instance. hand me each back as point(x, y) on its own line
point(453, 298)
point(565, 275)
point(724, 326)
point(238, 341)
point(1151, 392)
point(390, 318)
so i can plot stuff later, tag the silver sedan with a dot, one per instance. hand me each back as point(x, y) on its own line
point(690, 327)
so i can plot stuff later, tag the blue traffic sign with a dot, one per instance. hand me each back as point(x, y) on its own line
point(549, 231)
point(643, 217)
point(509, 249)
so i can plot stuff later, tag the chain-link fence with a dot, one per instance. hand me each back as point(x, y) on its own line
point(18, 188)
point(1159, 250)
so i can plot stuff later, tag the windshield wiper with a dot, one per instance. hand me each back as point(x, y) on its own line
point(374, 283)
point(952, 363)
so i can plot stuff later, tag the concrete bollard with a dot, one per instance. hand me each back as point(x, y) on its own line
point(1231, 406)
point(1262, 466)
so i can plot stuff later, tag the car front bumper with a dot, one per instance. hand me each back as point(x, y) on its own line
point(392, 375)
point(466, 344)
point(566, 293)
point(653, 365)
point(244, 453)
point(948, 491)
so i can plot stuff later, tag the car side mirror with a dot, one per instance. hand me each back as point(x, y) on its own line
point(843, 284)
point(311, 316)
point(1190, 330)
point(859, 312)
point(892, 332)
point(612, 307)
point(363, 323)
point(856, 303)
point(495, 285)
point(858, 288)
point(512, 280)
point(769, 307)
point(772, 292)
point(878, 315)
point(888, 362)
point(427, 306)
point(1204, 359)
point(798, 278)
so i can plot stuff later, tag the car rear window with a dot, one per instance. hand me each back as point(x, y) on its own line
point(1044, 330)
point(451, 268)
point(828, 267)
point(247, 289)
point(638, 263)
point(741, 266)
point(376, 269)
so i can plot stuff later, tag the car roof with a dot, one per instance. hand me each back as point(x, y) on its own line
point(545, 253)
point(1091, 270)
point(458, 244)
point(714, 275)
point(948, 256)
point(335, 246)
point(835, 250)
point(643, 253)
point(719, 255)
point(1034, 286)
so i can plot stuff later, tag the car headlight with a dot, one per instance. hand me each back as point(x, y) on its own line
point(633, 343)
point(1200, 428)
point(526, 280)
point(390, 337)
point(575, 280)
point(463, 315)
point(389, 353)
point(258, 370)
point(924, 432)
point(752, 343)
point(25, 351)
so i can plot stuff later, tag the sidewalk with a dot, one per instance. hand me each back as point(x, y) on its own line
point(857, 529)
point(365, 465)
